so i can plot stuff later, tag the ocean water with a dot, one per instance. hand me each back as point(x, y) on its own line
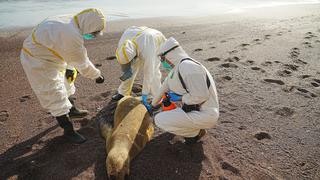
point(21, 13)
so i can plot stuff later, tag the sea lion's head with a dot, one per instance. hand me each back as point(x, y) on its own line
point(118, 163)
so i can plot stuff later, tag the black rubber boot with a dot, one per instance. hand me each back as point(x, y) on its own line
point(117, 97)
point(75, 112)
point(69, 133)
point(197, 138)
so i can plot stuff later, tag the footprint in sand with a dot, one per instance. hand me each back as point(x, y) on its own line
point(212, 59)
point(304, 76)
point(309, 35)
point(183, 32)
point(306, 93)
point(24, 98)
point(284, 73)
point(233, 52)
point(250, 62)
point(244, 45)
point(258, 69)
point(294, 53)
point(262, 135)
point(256, 40)
point(299, 61)
point(4, 115)
point(227, 78)
point(266, 63)
point(291, 67)
point(277, 62)
point(223, 41)
point(275, 81)
point(228, 65)
point(317, 80)
point(232, 59)
point(279, 33)
point(306, 43)
point(111, 58)
point(197, 50)
point(315, 84)
point(213, 47)
point(226, 166)
point(255, 68)
point(285, 111)
point(267, 36)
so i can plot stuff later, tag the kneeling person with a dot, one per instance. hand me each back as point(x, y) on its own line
point(190, 82)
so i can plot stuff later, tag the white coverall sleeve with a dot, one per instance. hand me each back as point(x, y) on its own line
point(164, 88)
point(194, 78)
point(148, 71)
point(75, 54)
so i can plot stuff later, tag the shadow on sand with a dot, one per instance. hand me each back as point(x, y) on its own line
point(55, 158)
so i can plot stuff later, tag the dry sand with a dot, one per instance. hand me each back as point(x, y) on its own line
point(266, 64)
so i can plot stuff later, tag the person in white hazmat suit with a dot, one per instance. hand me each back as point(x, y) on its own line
point(138, 49)
point(54, 44)
point(192, 84)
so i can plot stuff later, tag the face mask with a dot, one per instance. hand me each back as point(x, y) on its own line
point(88, 36)
point(166, 65)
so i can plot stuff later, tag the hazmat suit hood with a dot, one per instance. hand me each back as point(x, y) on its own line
point(90, 20)
point(175, 55)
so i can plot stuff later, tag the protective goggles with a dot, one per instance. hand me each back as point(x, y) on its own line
point(165, 62)
point(163, 55)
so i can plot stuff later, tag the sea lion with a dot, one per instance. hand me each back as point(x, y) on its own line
point(131, 131)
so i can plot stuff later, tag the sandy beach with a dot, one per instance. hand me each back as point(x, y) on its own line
point(266, 64)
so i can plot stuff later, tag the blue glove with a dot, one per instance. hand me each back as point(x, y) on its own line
point(174, 97)
point(145, 102)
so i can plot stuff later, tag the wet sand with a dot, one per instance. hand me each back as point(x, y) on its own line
point(266, 64)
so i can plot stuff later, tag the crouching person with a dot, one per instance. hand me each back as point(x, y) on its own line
point(192, 84)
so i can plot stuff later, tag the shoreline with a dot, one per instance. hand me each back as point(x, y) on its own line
point(273, 12)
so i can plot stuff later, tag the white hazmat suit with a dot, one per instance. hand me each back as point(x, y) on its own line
point(140, 46)
point(54, 44)
point(194, 76)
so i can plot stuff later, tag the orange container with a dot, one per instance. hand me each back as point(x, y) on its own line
point(166, 104)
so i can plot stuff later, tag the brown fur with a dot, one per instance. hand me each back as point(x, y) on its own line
point(132, 130)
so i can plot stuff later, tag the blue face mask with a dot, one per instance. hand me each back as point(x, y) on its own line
point(166, 65)
point(88, 36)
